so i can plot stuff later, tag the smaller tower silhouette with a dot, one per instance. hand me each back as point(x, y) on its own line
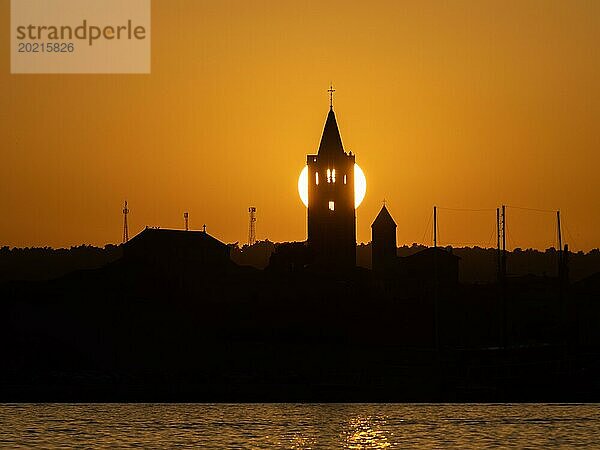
point(186, 219)
point(383, 240)
point(252, 226)
point(125, 227)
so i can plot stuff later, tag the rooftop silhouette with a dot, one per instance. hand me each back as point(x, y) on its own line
point(171, 316)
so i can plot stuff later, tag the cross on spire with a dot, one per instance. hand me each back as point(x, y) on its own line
point(331, 90)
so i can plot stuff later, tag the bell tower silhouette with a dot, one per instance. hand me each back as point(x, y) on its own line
point(331, 212)
point(383, 241)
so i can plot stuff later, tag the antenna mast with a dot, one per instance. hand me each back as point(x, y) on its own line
point(503, 238)
point(502, 241)
point(559, 232)
point(560, 248)
point(125, 227)
point(498, 248)
point(252, 226)
point(435, 236)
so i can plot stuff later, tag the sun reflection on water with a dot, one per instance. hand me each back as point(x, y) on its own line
point(299, 426)
point(367, 432)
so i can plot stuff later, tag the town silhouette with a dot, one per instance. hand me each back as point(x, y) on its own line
point(178, 315)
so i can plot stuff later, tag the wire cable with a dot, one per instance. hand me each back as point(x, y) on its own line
point(489, 242)
point(426, 228)
point(532, 209)
point(467, 209)
point(480, 243)
point(564, 224)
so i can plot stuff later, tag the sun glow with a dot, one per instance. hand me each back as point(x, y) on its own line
point(360, 185)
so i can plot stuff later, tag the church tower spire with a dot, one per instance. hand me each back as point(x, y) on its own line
point(331, 212)
point(331, 141)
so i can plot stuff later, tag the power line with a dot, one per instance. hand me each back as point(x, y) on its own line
point(493, 233)
point(467, 209)
point(511, 240)
point(468, 243)
point(426, 228)
point(564, 224)
point(532, 209)
point(464, 210)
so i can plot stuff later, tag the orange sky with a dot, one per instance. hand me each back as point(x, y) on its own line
point(459, 104)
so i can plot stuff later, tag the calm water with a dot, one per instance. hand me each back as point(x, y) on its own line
point(300, 426)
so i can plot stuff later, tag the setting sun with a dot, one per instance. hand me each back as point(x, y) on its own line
point(360, 186)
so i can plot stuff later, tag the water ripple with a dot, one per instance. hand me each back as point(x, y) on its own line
point(299, 426)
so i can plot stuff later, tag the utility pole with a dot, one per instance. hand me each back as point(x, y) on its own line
point(435, 227)
point(498, 254)
point(559, 231)
point(504, 287)
point(125, 227)
point(503, 240)
point(560, 253)
point(186, 219)
point(436, 313)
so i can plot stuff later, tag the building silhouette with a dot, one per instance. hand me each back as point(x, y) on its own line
point(176, 257)
point(428, 266)
point(331, 212)
point(432, 265)
point(383, 232)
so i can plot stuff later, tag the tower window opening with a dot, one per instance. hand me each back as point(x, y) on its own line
point(344, 179)
point(332, 206)
point(329, 175)
point(316, 177)
point(333, 176)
